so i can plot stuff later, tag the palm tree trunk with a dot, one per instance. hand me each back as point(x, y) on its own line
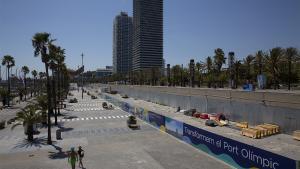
point(34, 86)
point(8, 82)
point(30, 132)
point(289, 75)
point(25, 86)
point(58, 91)
point(54, 97)
point(50, 110)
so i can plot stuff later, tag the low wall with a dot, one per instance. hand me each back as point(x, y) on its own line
point(235, 153)
point(282, 109)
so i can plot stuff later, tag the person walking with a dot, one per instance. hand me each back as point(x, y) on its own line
point(72, 157)
point(81, 155)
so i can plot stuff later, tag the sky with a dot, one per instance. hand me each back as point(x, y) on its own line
point(192, 28)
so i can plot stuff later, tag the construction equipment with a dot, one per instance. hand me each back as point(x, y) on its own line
point(296, 135)
point(242, 124)
point(251, 132)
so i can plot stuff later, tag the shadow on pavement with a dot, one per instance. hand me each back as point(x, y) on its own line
point(62, 128)
point(37, 142)
point(57, 155)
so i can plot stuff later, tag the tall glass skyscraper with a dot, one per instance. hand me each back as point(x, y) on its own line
point(147, 34)
point(122, 43)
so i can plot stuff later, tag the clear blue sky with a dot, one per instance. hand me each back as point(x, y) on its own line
point(192, 28)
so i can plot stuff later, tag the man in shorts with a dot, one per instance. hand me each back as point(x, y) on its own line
point(72, 157)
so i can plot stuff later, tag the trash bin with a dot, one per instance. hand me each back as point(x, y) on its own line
point(58, 134)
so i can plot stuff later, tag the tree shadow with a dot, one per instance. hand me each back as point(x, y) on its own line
point(70, 117)
point(37, 142)
point(62, 128)
point(59, 154)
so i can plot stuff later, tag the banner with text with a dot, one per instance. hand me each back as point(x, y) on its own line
point(235, 153)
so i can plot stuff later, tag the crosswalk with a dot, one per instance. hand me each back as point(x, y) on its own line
point(88, 104)
point(92, 118)
point(105, 131)
point(88, 109)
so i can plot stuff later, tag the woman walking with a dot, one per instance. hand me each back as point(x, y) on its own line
point(81, 155)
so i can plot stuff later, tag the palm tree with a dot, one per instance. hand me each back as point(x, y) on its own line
point(291, 55)
point(40, 43)
point(200, 67)
point(9, 62)
point(60, 63)
point(176, 69)
point(53, 53)
point(248, 62)
point(259, 61)
point(209, 66)
point(43, 106)
point(29, 116)
point(231, 60)
point(34, 74)
point(219, 60)
point(236, 67)
point(25, 70)
point(273, 60)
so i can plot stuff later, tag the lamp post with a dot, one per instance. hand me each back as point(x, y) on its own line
point(82, 76)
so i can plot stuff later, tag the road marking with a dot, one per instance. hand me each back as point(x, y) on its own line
point(90, 118)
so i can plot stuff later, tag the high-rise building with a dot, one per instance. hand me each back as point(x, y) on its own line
point(147, 34)
point(122, 43)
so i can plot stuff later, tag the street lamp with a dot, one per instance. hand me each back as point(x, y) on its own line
point(82, 76)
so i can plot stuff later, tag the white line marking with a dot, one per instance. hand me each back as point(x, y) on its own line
point(100, 117)
point(82, 118)
point(78, 119)
point(63, 120)
point(121, 116)
point(96, 118)
point(109, 117)
point(92, 118)
point(118, 117)
point(104, 117)
point(68, 119)
point(87, 118)
point(113, 117)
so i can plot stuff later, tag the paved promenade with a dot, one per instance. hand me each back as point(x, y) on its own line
point(106, 139)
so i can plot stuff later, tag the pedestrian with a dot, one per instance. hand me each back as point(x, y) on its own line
point(81, 155)
point(72, 157)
